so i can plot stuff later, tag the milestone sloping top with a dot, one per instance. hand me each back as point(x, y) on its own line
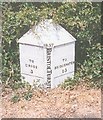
point(47, 32)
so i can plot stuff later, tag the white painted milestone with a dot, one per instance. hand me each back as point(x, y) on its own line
point(47, 54)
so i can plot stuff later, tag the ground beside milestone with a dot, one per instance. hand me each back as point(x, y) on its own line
point(56, 103)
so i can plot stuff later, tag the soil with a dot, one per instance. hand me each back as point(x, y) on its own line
point(55, 103)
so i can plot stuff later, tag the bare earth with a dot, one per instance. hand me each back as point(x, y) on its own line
point(55, 103)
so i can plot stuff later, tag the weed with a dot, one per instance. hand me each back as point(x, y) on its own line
point(15, 98)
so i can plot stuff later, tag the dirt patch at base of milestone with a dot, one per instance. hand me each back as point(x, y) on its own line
point(55, 103)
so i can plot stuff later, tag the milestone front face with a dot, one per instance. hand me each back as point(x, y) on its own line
point(31, 62)
point(63, 63)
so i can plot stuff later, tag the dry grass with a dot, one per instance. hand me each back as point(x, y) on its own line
point(58, 103)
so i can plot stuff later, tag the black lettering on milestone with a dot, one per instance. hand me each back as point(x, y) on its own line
point(49, 71)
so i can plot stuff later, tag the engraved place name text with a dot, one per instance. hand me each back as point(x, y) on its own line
point(31, 65)
point(49, 71)
point(64, 65)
